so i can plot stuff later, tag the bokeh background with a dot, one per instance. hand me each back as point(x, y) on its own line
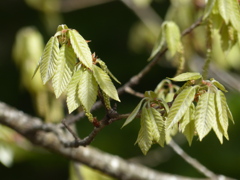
point(121, 39)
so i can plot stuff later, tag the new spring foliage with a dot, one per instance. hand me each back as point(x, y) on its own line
point(68, 62)
point(198, 107)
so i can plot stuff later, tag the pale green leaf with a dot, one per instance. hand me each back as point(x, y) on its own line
point(159, 44)
point(159, 121)
point(218, 85)
point(173, 37)
point(154, 130)
point(229, 113)
point(180, 106)
point(169, 133)
point(73, 101)
point(134, 113)
point(205, 114)
point(48, 61)
point(224, 9)
point(81, 48)
point(188, 116)
point(88, 89)
point(150, 94)
point(208, 8)
point(169, 97)
point(187, 76)
point(234, 14)
point(105, 68)
point(62, 27)
point(221, 109)
point(145, 138)
point(64, 69)
point(105, 83)
point(189, 131)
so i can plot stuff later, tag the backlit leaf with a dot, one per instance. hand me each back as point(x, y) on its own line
point(155, 131)
point(224, 9)
point(150, 94)
point(234, 13)
point(187, 76)
point(105, 68)
point(64, 69)
point(218, 85)
point(145, 138)
point(188, 116)
point(180, 106)
point(159, 121)
point(189, 131)
point(81, 48)
point(205, 114)
point(48, 61)
point(105, 83)
point(221, 110)
point(134, 113)
point(159, 44)
point(73, 101)
point(88, 89)
point(173, 37)
point(209, 8)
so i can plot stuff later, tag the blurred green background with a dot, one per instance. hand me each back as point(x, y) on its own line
point(115, 36)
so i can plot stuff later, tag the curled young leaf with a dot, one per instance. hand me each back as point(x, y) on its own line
point(187, 76)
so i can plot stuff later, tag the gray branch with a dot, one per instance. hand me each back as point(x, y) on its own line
point(32, 128)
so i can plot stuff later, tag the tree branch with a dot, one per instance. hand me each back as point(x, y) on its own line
point(30, 128)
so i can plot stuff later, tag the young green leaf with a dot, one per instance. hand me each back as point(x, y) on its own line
point(173, 37)
point(88, 89)
point(234, 14)
point(205, 114)
point(208, 8)
point(218, 85)
point(81, 48)
point(150, 94)
point(159, 44)
point(224, 9)
point(189, 131)
point(105, 83)
point(180, 106)
point(187, 76)
point(188, 116)
point(134, 113)
point(48, 61)
point(221, 110)
point(64, 69)
point(159, 121)
point(155, 131)
point(73, 101)
point(145, 138)
point(105, 68)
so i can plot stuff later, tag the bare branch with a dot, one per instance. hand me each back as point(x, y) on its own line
point(30, 127)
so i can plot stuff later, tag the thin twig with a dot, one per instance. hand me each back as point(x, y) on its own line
point(195, 163)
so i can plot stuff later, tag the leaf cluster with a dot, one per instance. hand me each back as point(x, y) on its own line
point(68, 62)
point(195, 108)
